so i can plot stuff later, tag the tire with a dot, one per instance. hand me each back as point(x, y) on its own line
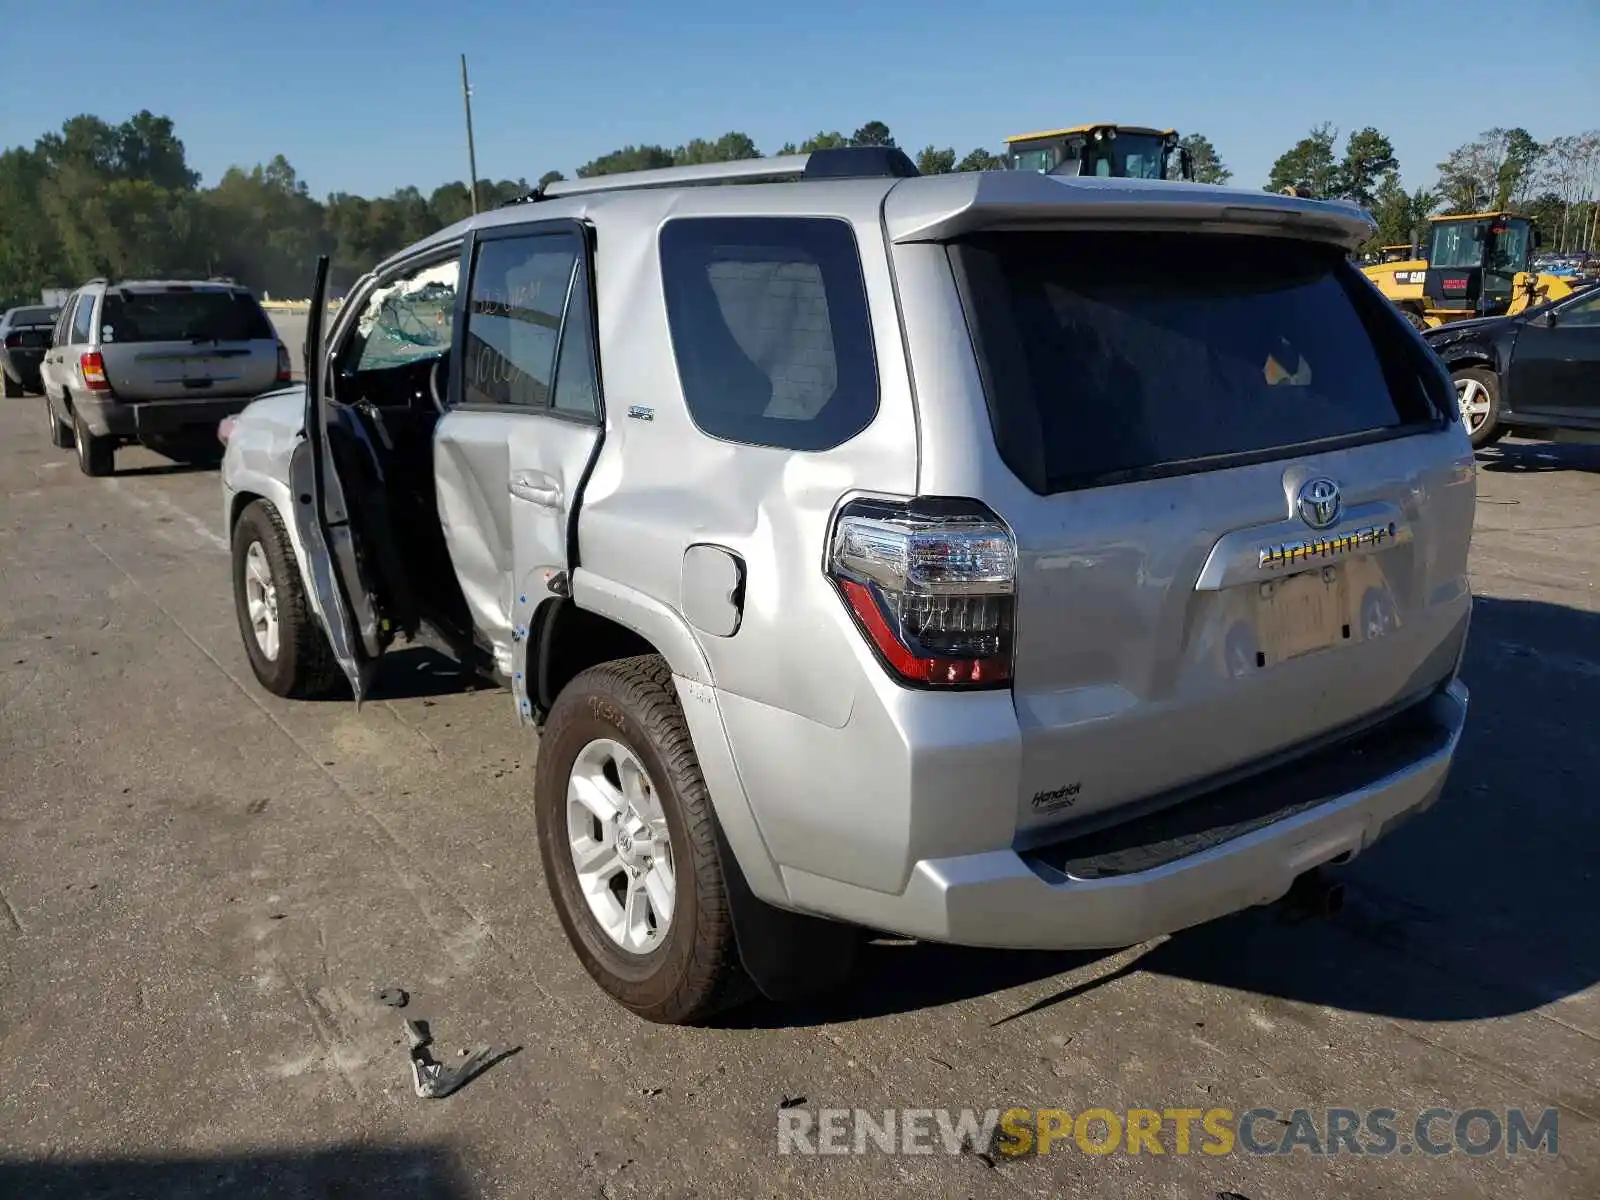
point(97, 456)
point(692, 971)
point(12, 387)
point(303, 665)
point(60, 433)
point(1414, 319)
point(1479, 386)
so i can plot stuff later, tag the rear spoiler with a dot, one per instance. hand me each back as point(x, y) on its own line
point(938, 208)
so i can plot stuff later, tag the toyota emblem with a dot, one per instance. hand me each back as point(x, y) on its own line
point(1319, 503)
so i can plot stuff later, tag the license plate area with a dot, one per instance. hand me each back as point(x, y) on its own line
point(1302, 614)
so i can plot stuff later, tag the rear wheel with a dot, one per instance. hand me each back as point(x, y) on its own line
point(60, 432)
point(13, 388)
point(96, 455)
point(1414, 318)
point(628, 842)
point(287, 648)
point(1478, 397)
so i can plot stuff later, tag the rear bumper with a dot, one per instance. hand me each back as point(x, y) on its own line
point(1174, 869)
point(23, 366)
point(138, 419)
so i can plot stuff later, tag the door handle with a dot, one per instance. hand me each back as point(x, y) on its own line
point(525, 487)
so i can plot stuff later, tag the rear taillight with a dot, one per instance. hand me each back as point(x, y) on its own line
point(285, 371)
point(93, 369)
point(932, 585)
point(13, 339)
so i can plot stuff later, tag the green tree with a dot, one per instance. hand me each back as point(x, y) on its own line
point(1368, 158)
point(1208, 165)
point(629, 158)
point(936, 162)
point(824, 141)
point(1308, 163)
point(730, 147)
point(148, 149)
point(981, 160)
point(1495, 170)
point(1402, 216)
point(873, 133)
point(550, 177)
point(449, 203)
point(31, 255)
point(1518, 170)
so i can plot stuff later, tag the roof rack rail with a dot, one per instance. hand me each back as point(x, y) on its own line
point(841, 162)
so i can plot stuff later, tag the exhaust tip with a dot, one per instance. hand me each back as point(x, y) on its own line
point(1313, 894)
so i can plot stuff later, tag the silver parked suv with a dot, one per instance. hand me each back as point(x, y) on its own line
point(988, 558)
point(136, 360)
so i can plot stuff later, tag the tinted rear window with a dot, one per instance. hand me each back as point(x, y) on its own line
point(1111, 356)
point(183, 316)
point(33, 316)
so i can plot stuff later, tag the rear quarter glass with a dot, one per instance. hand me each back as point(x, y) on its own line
point(770, 328)
point(1109, 357)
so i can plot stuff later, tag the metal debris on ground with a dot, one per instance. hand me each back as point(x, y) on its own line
point(434, 1080)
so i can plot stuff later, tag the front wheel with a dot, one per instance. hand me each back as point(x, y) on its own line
point(629, 845)
point(288, 650)
point(1478, 398)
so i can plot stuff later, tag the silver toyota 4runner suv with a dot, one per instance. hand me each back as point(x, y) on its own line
point(987, 558)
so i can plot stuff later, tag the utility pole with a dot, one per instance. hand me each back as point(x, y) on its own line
point(472, 153)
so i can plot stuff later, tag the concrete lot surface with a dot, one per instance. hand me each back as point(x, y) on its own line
point(202, 888)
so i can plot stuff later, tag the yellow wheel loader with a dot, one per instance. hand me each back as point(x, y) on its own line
point(1116, 151)
point(1477, 265)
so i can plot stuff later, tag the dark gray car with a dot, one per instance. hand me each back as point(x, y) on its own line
point(138, 360)
point(24, 340)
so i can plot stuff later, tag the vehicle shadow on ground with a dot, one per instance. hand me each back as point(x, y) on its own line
point(182, 459)
point(1532, 458)
point(418, 672)
point(409, 1173)
point(1481, 907)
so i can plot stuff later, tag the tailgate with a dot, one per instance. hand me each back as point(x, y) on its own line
point(177, 341)
point(1247, 508)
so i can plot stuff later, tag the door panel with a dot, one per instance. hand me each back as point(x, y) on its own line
point(471, 467)
point(511, 455)
point(1555, 369)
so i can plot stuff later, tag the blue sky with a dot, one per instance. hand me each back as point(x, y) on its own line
point(366, 96)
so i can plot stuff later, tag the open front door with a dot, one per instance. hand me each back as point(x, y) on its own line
point(341, 593)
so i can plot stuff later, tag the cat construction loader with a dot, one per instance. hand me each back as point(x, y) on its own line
point(1476, 265)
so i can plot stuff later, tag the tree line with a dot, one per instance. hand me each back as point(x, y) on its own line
point(121, 200)
point(1557, 183)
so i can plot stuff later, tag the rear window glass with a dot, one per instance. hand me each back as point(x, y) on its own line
point(770, 328)
point(33, 316)
point(173, 316)
point(1112, 356)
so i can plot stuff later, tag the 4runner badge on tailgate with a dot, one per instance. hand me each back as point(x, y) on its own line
point(1062, 797)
